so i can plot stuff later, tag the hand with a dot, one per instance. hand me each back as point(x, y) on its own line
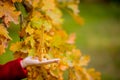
point(28, 61)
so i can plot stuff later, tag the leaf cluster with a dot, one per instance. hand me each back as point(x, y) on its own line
point(42, 35)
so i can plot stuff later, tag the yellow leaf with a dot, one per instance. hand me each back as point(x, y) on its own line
point(74, 8)
point(78, 19)
point(81, 73)
point(63, 67)
point(71, 39)
point(84, 60)
point(16, 46)
point(47, 37)
point(8, 13)
point(94, 75)
point(31, 52)
point(4, 32)
point(48, 5)
point(55, 15)
point(30, 41)
point(47, 25)
point(36, 22)
point(56, 41)
point(2, 49)
point(29, 30)
point(16, 1)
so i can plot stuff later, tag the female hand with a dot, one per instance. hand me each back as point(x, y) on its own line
point(28, 61)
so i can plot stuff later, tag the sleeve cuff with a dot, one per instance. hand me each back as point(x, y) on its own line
point(22, 71)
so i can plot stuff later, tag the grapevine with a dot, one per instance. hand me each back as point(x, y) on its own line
point(41, 34)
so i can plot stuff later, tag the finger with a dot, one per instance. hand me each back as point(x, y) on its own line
point(50, 61)
point(36, 58)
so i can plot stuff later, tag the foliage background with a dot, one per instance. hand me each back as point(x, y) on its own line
point(99, 37)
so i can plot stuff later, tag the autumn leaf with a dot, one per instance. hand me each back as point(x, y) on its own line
point(4, 32)
point(94, 75)
point(36, 22)
point(29, 30)
point(56, 41)
point(71, 39)
point(8, 13)
point(63, 67)
point(31, 52)
point(74, 8)
point(55, 15)
point(78, 19)
point(47, 37)
point(48, 6)
point(84, 60)
point(30, 41)
point(4, 39)
point(16, 46)
point(54, 72)
point(82, 72)
point(2, 49)
point(16, 1)
point(47, 25)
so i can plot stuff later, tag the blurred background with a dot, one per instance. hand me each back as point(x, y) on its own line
point(99, 37)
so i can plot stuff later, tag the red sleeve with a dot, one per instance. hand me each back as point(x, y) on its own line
point(12, 71)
